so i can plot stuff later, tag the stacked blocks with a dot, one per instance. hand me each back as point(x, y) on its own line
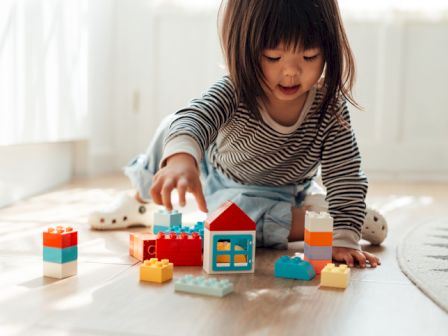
point(198, 227)
point(293, 268)
point(181, 250)
point(201, 285)
point(154, 270)
point(164, 220)
point(318, 239)
point(335, 276)
point(60, 252)
point(142, 246)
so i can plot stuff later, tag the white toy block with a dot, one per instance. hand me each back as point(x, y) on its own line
point(318, 222)
point(60, 271)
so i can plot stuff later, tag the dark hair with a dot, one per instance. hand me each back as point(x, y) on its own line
point(247, 27)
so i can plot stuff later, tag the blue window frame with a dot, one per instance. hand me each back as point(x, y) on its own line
point(232, 252)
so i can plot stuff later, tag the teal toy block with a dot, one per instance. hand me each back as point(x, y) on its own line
point(198, 227)
point(317, 252)
point(164, 220)
point(61, 256)
point(203, 286)
point(293, 268)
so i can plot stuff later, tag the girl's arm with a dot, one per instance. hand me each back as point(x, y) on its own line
point(345, 181)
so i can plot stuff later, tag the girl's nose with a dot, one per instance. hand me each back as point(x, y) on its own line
point(291, 70)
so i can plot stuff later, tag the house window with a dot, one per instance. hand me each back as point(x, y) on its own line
point(232, 252)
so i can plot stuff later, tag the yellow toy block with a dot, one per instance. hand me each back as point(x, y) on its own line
point(335, 276)
point(154, 270)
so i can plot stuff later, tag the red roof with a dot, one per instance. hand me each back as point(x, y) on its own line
point(229, 217)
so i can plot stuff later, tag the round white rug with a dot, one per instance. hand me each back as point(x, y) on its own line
point(423, 257)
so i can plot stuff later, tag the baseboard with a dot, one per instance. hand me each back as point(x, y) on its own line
point(27, 170)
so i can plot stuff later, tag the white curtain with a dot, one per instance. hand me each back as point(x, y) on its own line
point(43, 70)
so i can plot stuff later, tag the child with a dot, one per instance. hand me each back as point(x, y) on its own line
point(260, 134)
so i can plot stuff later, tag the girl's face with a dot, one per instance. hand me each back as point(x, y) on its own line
point(290, 73)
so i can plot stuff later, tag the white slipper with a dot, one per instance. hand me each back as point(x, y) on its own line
point(126, 211)
point(375, 227)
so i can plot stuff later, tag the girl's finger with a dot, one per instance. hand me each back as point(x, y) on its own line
point(373, 260)
point(181, 190)
point(168, 186)
point(199, 196)
point(360, 257)
point(155, 193)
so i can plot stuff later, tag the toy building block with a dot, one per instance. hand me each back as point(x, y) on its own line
point(181, 250)
point(229, 241)
point(198, 227)
point(60, 237)
point(317, 252)
point(318, 265)
point(60, 252)
point(318, 239)
point(293, 268)
point(142, 246)
point(335, 276)
point(156, 271)
point(164, 220)
point(203, 286)
point(60, 255)
point(60, 271)
point(318, 222)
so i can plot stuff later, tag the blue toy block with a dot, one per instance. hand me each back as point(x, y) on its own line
point(318, 252)
point(61, 256)
point(164, 220)
point(203, 286)
point(293, 268)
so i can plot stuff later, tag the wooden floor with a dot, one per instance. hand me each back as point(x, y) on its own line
point(106, 298)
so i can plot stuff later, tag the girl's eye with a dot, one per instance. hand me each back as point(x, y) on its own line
point(272, 59)
point(310, 58)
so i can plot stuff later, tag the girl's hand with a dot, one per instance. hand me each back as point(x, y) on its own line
point(349, 256)
point(180, 172)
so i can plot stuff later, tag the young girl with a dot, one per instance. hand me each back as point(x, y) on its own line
point(260, 134)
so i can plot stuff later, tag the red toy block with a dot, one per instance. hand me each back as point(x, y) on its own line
point(229, 216)
point(142, 246)
point(181, 250)
point(60, 237)
point(318, 265)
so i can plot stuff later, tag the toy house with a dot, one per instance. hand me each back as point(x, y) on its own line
point(229, 241)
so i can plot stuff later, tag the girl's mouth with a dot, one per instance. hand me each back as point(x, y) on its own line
point(289, 90)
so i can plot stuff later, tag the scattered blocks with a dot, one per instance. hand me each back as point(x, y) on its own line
point(335, 276)
point(164, 220)
point(142, 246)
point(60, 252)
point(293, 268)
point(203, 286)
point(181, 250)
point(154, 270)
point(318, 239)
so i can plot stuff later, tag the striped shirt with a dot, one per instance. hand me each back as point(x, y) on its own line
point(261, 152)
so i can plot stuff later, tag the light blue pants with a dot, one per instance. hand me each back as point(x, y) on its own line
point(269, 207)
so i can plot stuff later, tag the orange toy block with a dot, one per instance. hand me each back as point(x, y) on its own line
point(60, 237)
point(142, 246)
point(318, 238)
point(318, 265)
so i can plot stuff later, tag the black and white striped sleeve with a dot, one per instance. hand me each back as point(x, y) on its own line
point(345, 181)
point(203, 118)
